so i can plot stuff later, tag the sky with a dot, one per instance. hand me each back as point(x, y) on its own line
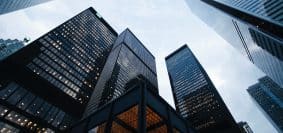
point(162, 26)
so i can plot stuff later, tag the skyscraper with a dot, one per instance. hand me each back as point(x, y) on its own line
point(7, 6)
point(128, 58)
point(269, 96)
point(8, 47)
point(254, 27)
point(195, 96)
point(47, 84)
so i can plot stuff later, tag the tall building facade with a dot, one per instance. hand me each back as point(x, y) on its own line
point(128, 59)
point(195, 96)
point(7, 6)
point(254, 27)
point(269, 96)
point(8, 47)
point(47, 84)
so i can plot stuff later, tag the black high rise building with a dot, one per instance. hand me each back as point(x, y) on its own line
point(7, 6)
point(269, 96)
point(254, 27)
point(47, 84)
point(195, 96)
point(128, 59)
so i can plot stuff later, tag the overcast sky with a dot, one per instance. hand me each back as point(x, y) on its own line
point(163, 26)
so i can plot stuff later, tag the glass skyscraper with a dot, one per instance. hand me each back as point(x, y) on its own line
point(7, 6)
point(47, 84)
point(128, 59)
point(254, 27)
point(195, 96)
point(8, 47)
point(269, 96)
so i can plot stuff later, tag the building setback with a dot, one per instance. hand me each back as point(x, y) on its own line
point(195, 96)
point(7, 6)
point(269, 96)
point(128, 58)
point(47, 84)
point(253, 27)
point(8, 47)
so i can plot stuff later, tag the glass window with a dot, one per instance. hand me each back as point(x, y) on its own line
point(154, 123)
point(17, 96)
point(8, 90)
point(130, 117)
point(6, 128)
point(3, 110)
point(34, 106)
point(25, 101)
point(17, 118)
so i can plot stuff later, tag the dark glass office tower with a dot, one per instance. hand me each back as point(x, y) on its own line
point(254, 27)
point(269, 96)
point(48, 83)
point(128, 59)
point(8, 47)
point(195, 96)
point(7, 6)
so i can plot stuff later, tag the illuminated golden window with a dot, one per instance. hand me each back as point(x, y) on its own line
point(151, 117)
point(130, 117)
point(154, 123)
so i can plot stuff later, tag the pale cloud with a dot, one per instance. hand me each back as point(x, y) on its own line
point(13, 27)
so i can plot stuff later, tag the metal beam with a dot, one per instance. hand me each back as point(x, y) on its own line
point(125, 125)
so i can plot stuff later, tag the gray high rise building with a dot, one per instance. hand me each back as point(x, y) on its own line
point(269, 96)
point(128, 59)
point(8, 47)
point(254, 27)
point(195, 96)
point(7, 6)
